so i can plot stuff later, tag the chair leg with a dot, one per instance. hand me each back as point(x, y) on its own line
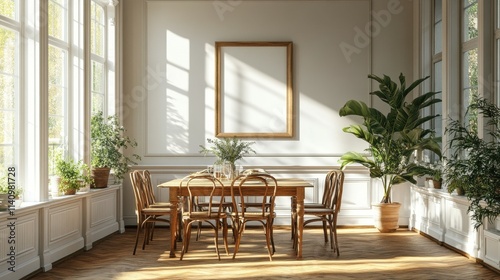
point(334, 226)
point(198, 231)
point(146, 234)
point(240, 228)
point(138, 232)
point(268, 229)
point(185, 241)
point(325, 233)
point(216, 238)
point(272, 235)
point(224, 235)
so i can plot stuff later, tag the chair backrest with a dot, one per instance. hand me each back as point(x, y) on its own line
point(328, 189)
point(198, 180)
point(139, 193)
point(241, 187)
point(337, 188)
point(148, 187)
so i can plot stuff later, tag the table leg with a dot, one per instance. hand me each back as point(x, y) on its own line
point(300, 220)
point(174, 221)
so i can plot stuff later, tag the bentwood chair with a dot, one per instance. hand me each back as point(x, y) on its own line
point(213, 214)
point(151, 198)
point(327, 211)
point(202, 204)
point(146, 215)
point(327, 196)
point(241, 187)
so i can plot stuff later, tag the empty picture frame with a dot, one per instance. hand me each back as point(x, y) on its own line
point(253, 89)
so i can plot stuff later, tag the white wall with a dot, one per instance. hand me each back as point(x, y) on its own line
point(169, 75)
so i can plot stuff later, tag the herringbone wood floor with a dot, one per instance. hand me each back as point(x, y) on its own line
point(364, 254)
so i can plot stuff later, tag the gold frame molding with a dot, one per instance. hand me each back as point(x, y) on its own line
point(220, 48)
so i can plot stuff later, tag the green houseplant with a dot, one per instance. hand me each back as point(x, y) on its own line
point(9, 194)
point(475, 161)
point(436, 175)
point(108, 143)
point(228, 150)
point(392, 138)
point(74, 175)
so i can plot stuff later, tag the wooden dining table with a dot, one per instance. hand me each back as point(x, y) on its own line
point(291, 187)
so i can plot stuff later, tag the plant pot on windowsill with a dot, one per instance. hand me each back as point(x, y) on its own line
point(437, 183)
point(101, 177)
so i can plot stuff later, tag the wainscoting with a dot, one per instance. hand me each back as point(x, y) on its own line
point(444, 217)
point(39, 234)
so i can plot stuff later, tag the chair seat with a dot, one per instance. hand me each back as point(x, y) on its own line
point(314, 205)
point(318, 211)
point(204, 215)
point(161, 205)
point(156, 211)
point(256, 215)
point(215, 204)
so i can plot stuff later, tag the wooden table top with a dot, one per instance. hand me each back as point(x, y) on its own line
point(282, 182)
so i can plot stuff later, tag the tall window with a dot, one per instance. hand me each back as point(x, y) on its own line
point(58, 78)
point(497, 51)
point(437, 66)
point(98, 56)
point(9, 84)
point(469, 53)
point(30, 39)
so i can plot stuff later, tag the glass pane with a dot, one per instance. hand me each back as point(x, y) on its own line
point(438, 47)
point(97, 76)
point(438, 86)
point(470, 79)
point(7, 127)
point(6, 157)
point(470, 20)
point(438, 14)
point(8, 8)
point(97, 87)
point(437, 27)
point(57, 66)
point(97, 103)
point(56, 131)
point(7, 92)
point(498, 72)
point(97, 30)
point(58, 14)
point(8, 50)
point(56, 101)
point(57, 95)
point(498, 14)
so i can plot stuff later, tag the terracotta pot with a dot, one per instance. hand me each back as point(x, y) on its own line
point(386, 216)
point(436, 183)
point(70, 192)
point(460, 191)
point(100, 176)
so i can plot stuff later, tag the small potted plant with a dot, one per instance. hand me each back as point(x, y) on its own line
point(107, 149)
point(228, 150)
point(9, 194)
point(436, 175)
point(74, 175)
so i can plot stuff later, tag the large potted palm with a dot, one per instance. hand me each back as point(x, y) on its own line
point(392, 140)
